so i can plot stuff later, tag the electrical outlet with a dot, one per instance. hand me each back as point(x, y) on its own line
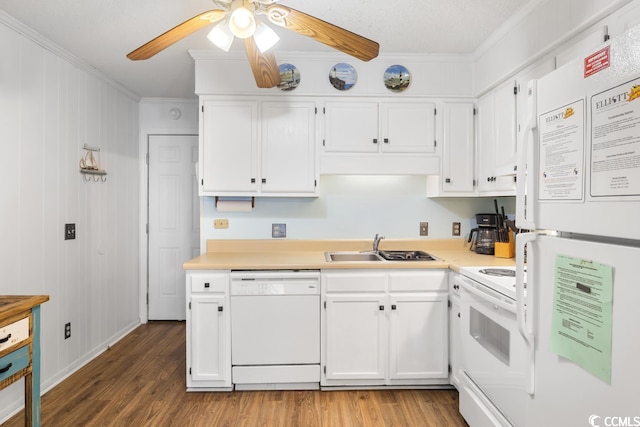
point(278, 230)
point(220, 223)
point(69, 231)
point(67, 330)
point(424, 228)
point(455, 229)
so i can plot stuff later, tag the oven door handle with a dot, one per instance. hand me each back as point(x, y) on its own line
point(487, 297)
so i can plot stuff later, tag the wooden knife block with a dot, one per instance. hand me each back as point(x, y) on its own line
point(504, 249)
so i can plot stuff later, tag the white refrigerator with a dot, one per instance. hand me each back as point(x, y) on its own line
point(578, 191)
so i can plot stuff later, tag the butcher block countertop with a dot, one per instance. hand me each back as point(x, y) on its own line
point(10, 305)
point(271, 254)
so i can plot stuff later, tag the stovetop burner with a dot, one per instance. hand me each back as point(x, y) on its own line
point(499, 278)
point(499, 272)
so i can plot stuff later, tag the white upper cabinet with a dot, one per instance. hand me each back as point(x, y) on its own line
point(497, 140)
point(458, 152)
point(379, 137)
point(250, 148)
point(228, 147)
point(386, 127)
point(407, 127)
point(288, 148)
point(351, 127)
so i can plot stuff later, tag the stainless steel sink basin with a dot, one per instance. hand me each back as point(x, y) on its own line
point(351, 256)
point(378, 256)
point(406, 256)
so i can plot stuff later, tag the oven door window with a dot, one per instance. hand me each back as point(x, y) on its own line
point(490, 335)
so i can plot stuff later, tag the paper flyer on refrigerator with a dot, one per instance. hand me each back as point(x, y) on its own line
point(615, 141)
point(582, 314)
point(562, 153)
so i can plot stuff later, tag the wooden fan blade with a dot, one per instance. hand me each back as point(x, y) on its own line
point(324, 32)
point(264, 65)
point(176, 34)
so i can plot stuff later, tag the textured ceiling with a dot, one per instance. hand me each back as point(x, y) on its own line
point(101, 33)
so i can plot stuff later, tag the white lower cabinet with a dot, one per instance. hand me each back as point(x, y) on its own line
point(208, 331)
point(356, 338)
point(384, 327)
point(454, 331)
point(418, 341)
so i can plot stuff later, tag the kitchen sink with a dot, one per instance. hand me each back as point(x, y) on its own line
point(351, 256)
point(379, 256)
point(406, 256)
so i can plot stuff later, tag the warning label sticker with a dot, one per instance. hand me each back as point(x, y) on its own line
point(596, 62)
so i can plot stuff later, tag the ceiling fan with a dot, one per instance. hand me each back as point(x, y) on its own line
point(238, 18)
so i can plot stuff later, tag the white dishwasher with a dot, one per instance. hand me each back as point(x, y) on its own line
point(275, 329)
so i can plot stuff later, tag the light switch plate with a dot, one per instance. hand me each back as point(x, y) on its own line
point(69, 231)
point(424, 228)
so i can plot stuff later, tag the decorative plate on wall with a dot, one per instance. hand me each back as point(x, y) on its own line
point(343, 76)
point(397, 78)
point(289, 76)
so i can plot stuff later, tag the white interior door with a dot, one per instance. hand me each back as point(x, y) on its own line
point(174, 224)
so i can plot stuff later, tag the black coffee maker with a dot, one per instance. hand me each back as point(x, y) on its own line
point(485, 235)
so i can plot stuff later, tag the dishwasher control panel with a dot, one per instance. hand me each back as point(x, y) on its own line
point(275, 283)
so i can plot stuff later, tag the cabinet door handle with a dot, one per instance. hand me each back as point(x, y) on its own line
point(220, 308)
point(386, 140)
point(393, 307)
point(447, 180)
point(206, 285)
point(375, 140)
point(382, 308)
point(5, 339)
point(253, 180)
point(6, 368)
point(264, 180)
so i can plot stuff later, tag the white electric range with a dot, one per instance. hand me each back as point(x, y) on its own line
point(500, 279)
point(494, 359)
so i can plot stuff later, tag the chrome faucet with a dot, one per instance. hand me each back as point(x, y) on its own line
point(376, 242)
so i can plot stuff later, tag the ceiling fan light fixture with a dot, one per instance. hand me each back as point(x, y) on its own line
point(221, 36)
point(242, 23)
point(265, 37)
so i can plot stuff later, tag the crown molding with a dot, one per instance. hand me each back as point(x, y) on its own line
point(46, 44)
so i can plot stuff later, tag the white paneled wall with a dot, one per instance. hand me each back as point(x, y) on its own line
point(49, 108)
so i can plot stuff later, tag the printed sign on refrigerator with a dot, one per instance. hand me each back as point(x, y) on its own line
point(582, 314)
point(615, 141)
point(562, 153)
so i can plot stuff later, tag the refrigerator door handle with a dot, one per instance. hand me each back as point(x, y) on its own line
point(521, 308)
point(524, 184)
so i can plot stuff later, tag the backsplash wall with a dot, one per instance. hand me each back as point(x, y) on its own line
point(353, 207)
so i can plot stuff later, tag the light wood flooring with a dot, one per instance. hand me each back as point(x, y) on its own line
point(140, 381)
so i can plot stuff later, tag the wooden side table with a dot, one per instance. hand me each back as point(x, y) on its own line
point(20, 348)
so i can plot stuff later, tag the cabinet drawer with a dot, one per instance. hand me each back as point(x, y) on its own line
point(14, 362)
point(14, 333)
point(418, 281)
point(207, 282)
point(355, 282)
